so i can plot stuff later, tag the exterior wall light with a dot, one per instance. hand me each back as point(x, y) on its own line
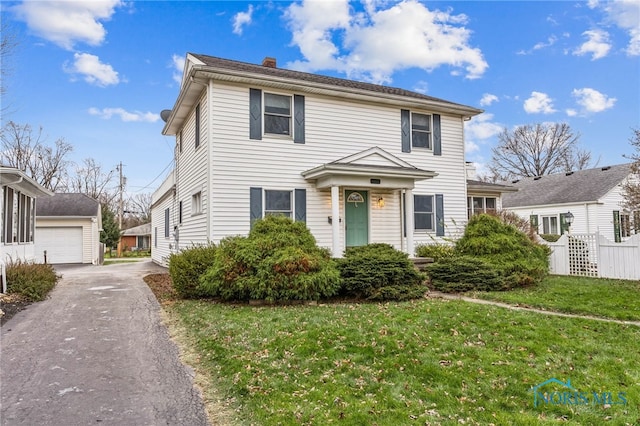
point(381, 202)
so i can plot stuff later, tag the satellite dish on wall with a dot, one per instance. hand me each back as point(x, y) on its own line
point(164, 114)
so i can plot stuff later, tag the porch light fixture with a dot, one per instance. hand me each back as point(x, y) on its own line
point(381, 202)
point(568, 217)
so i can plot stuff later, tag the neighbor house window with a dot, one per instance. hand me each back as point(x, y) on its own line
point(196, 203)
point(166, 223)
point(625, 225)
point(420, 130)
point(26, 218)
point(478, 205)
point(277, 203)
point(9, 212)
point(198, 126)
point(550, 225)
point(423, 212)
point(277, 114)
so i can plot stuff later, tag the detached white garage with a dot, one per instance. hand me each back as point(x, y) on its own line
point(68, 229)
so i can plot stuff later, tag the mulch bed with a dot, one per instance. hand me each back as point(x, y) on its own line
point(11, 304)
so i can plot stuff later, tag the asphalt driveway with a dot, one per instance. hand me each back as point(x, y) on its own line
point(95, 352)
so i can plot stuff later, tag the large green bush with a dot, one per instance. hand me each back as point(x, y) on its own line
point(380, 272)
point(33, 281)
point(515, 256)
point(464, 273)
point(187, 266)
point(278, 261)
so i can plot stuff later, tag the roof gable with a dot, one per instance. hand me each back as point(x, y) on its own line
point(564, 188)
point(72, 204)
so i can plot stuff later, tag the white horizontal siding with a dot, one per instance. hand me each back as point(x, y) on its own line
point(161, 246)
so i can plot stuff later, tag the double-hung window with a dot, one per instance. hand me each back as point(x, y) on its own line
point(423, 208)
point(277, 203)
point(421, 130)
point(277, 114)
point(550, 225)
point(196, 203)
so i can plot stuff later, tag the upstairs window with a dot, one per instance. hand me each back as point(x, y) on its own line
point(277, 114)
point(196, 203)
point(197, 126)
point(421, 130)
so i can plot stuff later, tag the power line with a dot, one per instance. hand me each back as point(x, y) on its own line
point(156, 178)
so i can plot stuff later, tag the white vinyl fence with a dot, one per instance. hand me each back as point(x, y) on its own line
point(592, 255)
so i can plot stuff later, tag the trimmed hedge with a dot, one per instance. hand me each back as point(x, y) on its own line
point(187, 266)
point(380, 272)
point(464, 273)
point(278, 261)
point(33, 281)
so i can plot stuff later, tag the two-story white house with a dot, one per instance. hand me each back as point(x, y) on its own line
point(358, 162)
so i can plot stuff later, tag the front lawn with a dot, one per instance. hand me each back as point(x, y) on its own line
point(617, 299)
point(423, 362)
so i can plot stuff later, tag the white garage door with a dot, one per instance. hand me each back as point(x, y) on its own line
point(63, 244)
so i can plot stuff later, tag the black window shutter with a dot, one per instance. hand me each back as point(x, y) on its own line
point(255, 204)
point(437, 138)
point(197, 126)
point(298, 119)
point(439, 215)
point(301, 205)
point(166, 223)
point(405, 126)
point(255, 114)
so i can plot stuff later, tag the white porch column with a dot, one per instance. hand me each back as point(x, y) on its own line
point(335, 222)
point(410, 222)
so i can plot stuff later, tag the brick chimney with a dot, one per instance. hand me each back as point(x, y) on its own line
point(269, 62)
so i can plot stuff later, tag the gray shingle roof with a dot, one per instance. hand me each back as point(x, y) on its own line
point(79, 205)
point(144, 229)
point(563, 188)
point(314, 78)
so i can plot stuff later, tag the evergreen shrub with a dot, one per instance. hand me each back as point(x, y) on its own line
point(464, 273)
point(380, 272)
point(186, 267)
point(278, 261)
point(435, 251)
point(33, 281)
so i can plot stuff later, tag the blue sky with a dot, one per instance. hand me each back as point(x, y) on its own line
point(98, 73)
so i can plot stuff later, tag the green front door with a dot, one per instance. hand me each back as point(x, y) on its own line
point(357, 218)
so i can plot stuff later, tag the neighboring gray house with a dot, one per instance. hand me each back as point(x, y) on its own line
point(68, 228)
point(593, 197)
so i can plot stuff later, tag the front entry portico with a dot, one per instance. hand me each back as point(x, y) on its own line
point(358, 176)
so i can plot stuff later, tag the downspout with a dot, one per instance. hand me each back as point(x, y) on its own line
point(209, 158)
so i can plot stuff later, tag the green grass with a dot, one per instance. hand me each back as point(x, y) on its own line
point(617, 299)
point(424, 362)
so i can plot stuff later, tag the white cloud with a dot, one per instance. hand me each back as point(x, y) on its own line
point(93, 71)
point(126, 116)
point(488, 99)
point(539, 103)
point(592, 101)
point(597, 44)
point(177, 63)
point(373, 44)
point(242, 19)
point(66, 23)
point(481, 127)
point(626, 15)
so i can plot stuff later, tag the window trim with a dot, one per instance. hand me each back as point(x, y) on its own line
point(196, 203)
point(427, 213)
point(266, 212)
point(429, 132)
point(264, 115)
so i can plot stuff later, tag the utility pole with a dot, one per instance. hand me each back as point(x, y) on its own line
point(120, 205)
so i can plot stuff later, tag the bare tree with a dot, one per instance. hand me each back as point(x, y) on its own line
point(631, 188)
point(26, 150)
point(140, 206)
point(92, 180)
point(8, 43)
point(536, 150)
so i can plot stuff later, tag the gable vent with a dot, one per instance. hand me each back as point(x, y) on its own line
point(604, 169)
